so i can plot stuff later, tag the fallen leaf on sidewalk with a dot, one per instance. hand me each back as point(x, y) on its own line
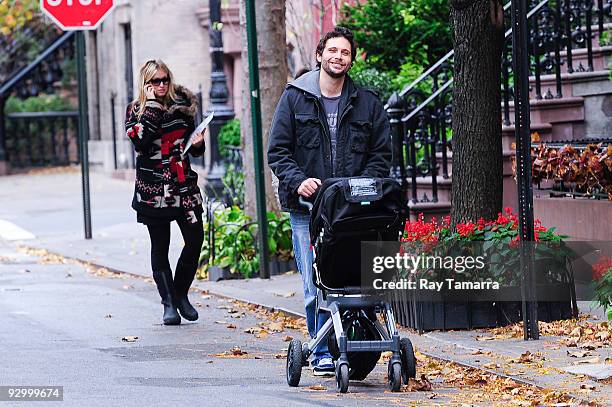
point(221, 322)
point(317, 387)
point(491, 365)
point(276, 327)
point(232, 353)
point(480, 352)
point(587, 361)
point(285, 295)
point(262, 334)
point(108, 316)
point(589, 387)
point(486, 338)
point(287, 338)
point(579, 354)
point(252, 330)
point(129, 338)
point(231, 326)
point(280, 356)
point(417, 385)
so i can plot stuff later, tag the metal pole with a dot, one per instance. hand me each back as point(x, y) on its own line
point(114, 127)
point(520, 62)
point(83, 130)
point(264, 267)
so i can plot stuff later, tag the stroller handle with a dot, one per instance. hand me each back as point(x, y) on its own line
point(305, 203)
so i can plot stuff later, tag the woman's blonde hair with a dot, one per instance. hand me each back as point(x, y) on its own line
point(147, 72)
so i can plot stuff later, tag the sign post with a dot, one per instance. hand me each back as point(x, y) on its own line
point(79, 15)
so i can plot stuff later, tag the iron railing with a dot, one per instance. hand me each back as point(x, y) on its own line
point(565, 38)
point(37, 77)
point(42, 139)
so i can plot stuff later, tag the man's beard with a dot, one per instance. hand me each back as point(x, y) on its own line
point(335, 75)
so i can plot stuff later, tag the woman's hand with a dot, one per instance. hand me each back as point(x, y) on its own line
point(149, 92)
point(198, 139)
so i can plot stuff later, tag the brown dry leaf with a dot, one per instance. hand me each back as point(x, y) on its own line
point(526, 357)
point(287, 338)
point(280, 356)
point(231, 326)
point(262, 334)
point(276, 327)
point(491, 365)
point(236, 351)
point(317, 387)
point(129, 338)
point(417, 385)
point(587, 361)
point(486, 338)
point(288, 294)
point(480, 352)
point(252, 330)
point(589, 387)
point(579, 354)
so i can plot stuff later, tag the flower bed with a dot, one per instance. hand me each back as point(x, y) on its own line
point(497, 241)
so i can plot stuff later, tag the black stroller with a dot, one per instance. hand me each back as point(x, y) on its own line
point(346, 212)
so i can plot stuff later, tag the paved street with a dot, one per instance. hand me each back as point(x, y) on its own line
point(62, 323)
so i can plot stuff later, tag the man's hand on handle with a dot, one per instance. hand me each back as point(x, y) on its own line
point(308, 187)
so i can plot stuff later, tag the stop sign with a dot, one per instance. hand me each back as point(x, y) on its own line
point(77, 14)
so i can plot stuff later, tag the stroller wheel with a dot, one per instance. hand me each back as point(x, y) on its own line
point(395, 375)
point(408, 360)
point(294, 363)
point(342, 377)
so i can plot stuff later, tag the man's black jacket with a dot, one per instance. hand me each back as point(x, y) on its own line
point(299, 142)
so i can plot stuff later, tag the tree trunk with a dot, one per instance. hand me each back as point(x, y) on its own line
point(477, 148)
point(272, 51)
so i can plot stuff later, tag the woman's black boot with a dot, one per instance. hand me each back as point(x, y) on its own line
point(182, 281)
point(165, 288)
point(185, 308)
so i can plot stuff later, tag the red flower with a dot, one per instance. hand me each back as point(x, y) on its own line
point(602, 267)
point(465, 229)
point(514, 242)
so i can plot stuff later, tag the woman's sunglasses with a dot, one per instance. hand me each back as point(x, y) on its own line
point(158, 81)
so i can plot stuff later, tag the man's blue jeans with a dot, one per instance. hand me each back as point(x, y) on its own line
point(303, 258)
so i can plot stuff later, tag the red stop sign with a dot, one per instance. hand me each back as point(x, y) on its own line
point(77, 14)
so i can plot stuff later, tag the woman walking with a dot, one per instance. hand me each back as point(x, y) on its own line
point(159, 123)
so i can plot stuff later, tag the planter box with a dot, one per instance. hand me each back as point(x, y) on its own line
point(446, 312)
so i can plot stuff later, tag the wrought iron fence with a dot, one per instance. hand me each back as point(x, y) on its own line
point(26, 137)
point(565, 35)
point(42, 139)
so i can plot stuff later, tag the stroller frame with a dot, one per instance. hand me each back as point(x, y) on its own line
point(402, 364)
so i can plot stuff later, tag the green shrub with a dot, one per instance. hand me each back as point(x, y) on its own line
point(229, 135)
point(235, 241)
point(40, 103)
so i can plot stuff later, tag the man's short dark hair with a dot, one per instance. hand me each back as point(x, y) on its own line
point(335, 33)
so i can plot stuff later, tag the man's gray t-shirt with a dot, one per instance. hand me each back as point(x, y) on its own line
point(331, 111)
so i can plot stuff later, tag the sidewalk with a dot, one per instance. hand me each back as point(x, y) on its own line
point(49, 207)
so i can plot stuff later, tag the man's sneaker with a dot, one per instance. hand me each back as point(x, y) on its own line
point(324, 367)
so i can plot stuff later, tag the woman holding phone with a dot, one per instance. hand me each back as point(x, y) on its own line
point(159, 123)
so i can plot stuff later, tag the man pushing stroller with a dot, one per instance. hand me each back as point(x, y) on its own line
point(324, 127)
